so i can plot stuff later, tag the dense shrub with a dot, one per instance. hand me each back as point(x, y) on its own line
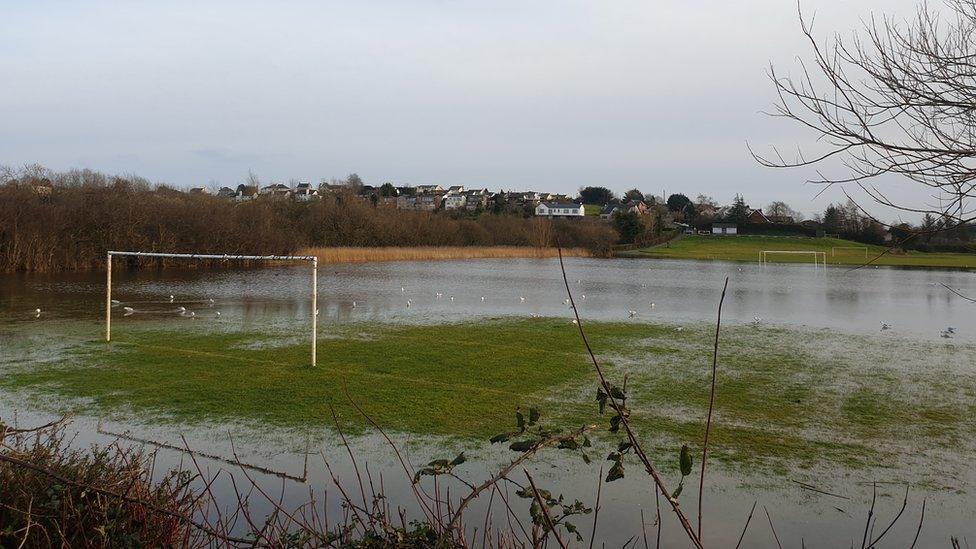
point(85, 214)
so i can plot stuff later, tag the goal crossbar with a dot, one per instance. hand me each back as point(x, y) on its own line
point(228, 257)
point(817, 256)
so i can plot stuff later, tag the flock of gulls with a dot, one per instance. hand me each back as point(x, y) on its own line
point(179, 310)
point(182, 311)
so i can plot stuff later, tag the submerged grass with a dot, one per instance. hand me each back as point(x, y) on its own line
point(785, 399)
point(838, 251)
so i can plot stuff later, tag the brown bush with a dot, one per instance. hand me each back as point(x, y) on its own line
point(61, 222)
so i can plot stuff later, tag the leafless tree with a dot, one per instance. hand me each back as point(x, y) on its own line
point(898, 97)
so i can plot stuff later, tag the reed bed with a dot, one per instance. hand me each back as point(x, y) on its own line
point(432, 253)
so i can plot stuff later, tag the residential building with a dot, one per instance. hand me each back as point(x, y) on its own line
point(634, 206)
point(430, 201)
point(423, 189)
point(758, 217)
point(721, 228)
point(226, 192)
point(246, 192)
point(455, 201)
point(305, 191)
point(559, 209)
point(278, 190)
point(476, 198)
point(199, 190)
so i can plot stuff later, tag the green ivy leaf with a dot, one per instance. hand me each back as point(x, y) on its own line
point(458, 460)
point(519, 420)
point(616, 472)
point(534, 415)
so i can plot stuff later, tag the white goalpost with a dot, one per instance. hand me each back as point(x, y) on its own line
point(833, 250)
point(224, 257)
point(818, 257)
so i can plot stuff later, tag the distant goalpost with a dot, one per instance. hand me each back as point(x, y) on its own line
point(224, 257)
point(818, 257)
point(833, 250)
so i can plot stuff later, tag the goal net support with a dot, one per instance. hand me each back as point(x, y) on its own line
point(818, 257)
point(223, 257)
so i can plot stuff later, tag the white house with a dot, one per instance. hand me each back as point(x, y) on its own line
point(723, 228)
point(556, 209)
point(305, 191)
point(454, 201)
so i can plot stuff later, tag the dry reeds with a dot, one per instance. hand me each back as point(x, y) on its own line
point(433, 253)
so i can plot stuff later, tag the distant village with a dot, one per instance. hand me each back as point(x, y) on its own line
point(677, 211)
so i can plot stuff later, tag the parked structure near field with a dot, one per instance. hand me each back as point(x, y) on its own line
point(724, 228)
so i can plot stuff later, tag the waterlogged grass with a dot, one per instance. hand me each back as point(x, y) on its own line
point(785, 398)
point(747, 248)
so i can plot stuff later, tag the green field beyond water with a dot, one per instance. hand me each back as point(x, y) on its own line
point(784, 398)
point(840, 252)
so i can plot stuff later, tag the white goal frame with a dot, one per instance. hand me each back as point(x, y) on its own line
point(834, 249)
point(817, 256)
point(223, 257)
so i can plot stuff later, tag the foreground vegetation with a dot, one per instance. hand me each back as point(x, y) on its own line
point(785, 400)
point(747, 248)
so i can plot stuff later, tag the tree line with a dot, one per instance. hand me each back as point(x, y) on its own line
point(67, 221)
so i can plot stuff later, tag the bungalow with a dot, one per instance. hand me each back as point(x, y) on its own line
point(199, 190)
point(723, 228)
point(559, 209)
point(226, 192)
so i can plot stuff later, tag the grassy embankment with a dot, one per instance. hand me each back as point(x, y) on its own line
point(784, 400)
point(430, 253)
point(747, 248)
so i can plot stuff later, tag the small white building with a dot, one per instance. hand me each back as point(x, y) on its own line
point(723, 228)
point(556, 209)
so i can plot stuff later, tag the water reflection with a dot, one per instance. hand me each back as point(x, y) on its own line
point(913, 301)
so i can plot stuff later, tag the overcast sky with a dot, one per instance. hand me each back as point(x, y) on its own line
point(547, 95)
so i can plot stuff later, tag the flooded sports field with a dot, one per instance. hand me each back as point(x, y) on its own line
point(833, 383)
